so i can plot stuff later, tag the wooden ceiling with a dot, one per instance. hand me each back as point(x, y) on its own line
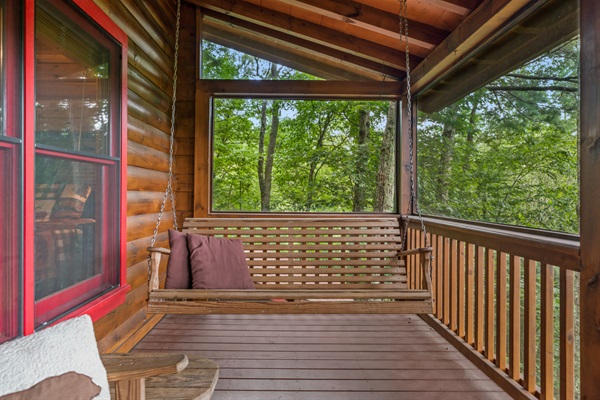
point(361, 39)
point(334, 39)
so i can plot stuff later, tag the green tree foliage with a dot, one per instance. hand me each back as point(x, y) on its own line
point(287, 155)
point(507, 153)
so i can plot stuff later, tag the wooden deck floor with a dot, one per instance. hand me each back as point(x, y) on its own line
point(329, 357)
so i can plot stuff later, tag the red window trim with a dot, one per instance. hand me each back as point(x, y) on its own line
point(105, 303)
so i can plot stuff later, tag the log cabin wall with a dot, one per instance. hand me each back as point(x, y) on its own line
point(150, 27)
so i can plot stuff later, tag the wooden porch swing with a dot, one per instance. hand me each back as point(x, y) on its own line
point(306, 265)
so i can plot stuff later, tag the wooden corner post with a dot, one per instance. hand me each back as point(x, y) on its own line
point(590, 195)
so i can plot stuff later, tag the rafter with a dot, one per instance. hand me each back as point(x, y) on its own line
point(372, 19)
point(280, 53)
point(487, 20)
point(309, 31)
point(462, 7)
point(294, 42)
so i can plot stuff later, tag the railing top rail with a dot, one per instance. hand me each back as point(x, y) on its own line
point(549, 248)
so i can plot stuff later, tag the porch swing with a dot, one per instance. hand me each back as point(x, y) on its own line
point(291, 265)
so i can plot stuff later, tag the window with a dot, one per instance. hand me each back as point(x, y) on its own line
point(62, 158)
point(10, 171)
point(282, 155)
point(508, 152)
point(77, 164)
point(304, 155)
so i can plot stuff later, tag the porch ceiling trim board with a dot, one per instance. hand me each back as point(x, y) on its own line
point(553, 23)
point(590, 193)
point(285, 45)
point(488, 21)
point(310, 31)
point(301, 89)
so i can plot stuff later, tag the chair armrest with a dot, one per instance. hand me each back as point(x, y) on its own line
point(142, 365)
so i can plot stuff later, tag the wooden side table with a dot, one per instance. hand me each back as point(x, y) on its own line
point(146, 376)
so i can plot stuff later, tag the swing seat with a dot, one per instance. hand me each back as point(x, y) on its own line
point(308, 266)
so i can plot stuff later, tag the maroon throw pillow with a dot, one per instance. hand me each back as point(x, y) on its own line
point(218, 263)
point(68, 386)
point(178, 267)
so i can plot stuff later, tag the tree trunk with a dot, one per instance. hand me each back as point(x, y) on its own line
point(384, 191)
point(265, 168)
point(266, 194)
point(359, 198)
point(261, 150)
point(446, 156)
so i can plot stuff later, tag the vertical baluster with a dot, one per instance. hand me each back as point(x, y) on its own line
point(469, 303)
point(567, 334)
point(438, 252)
point(434, 271)
point(418, 271)
point(515, 318)
point(501, 310)
point(447, 268)
point(529, 381)
point(479, 299)
point(489, 304)
point(547, 333)
point(413, 261)
point(461, 286)
point(454, 259)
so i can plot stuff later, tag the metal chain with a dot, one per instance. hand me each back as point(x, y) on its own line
point(414, 204)
point(169, 190)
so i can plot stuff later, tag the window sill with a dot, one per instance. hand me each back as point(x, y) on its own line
point(101, 306)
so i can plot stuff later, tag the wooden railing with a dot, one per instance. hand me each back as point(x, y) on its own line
point(506, 297)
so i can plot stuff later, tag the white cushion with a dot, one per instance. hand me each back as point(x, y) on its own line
point(67, 346)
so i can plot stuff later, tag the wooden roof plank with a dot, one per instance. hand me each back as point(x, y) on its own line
point(296, 42)
point(374, 19)
point(309, 31)
point(264, 48)
point(484, 22)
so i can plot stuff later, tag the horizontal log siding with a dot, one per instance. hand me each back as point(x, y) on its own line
point(150, 27)
point(495, 288)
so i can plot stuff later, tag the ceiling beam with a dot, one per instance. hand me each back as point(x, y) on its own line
point(310, 31)
point(461, 7)
point(300, 89)
point(307, 62)
point(372, 19)
point(550, 27)
point(294, 42)
point(490, 18)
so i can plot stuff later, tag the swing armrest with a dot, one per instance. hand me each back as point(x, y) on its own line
point(418, 250)
point(155, 255)
point(425, 254)
point(160, 250)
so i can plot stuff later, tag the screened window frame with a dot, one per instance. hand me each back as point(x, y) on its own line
point(209, 89)
point(100, 305)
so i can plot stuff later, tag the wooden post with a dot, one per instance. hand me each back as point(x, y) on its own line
point(590, 193)
point(202, 155)
point(403, 168)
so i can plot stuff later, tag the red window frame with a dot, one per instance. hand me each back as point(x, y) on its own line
point(101, 305)
point(10, 170)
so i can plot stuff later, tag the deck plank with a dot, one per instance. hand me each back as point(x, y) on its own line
point(324, 357)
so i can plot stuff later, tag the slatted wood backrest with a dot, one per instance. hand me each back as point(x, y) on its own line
point(323, 253)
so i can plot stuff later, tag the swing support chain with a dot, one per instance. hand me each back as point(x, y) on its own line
point(169, 193)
